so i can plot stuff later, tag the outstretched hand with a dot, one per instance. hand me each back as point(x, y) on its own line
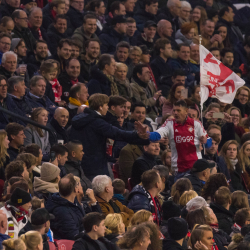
point(141, 130)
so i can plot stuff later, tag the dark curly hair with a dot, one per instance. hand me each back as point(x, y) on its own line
point(213, 183)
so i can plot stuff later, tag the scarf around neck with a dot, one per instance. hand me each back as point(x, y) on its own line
point(234, 162)
point(113, 86)
point(18, 212)
point(75, 102)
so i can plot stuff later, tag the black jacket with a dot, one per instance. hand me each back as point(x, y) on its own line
point(75, 168)
point(141, 17)
point(5, 73)
point(112, 119)
point(6, 10)
point(224, 216)
point(35, 34)
point(86, 68)
point(169, 244)
point(13, 153)
point(75, 17)
point(23, 104)
point(244, 108)
point(84, 242)
point(92, 131)
point(196, 182)
point(142, 164)
point(141, 41)
point(47, 17)
point(33, 66)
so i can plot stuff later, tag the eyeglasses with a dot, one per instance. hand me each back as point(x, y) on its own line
point(9, 44)
point(3, 86)
point(235, 115)
point(244, 95)
point(23, 18)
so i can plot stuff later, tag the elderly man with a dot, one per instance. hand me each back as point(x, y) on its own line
point(8, 66)
point(103, 189)
point(21, 29)
point(70, 77)
point(5, 43)
point(57, 126)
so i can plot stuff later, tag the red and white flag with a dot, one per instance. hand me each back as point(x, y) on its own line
point(216, 79)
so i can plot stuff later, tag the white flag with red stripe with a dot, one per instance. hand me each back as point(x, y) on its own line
point(216, 79)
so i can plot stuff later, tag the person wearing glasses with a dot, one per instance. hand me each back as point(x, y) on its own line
point(21, 29)
point(5, 43)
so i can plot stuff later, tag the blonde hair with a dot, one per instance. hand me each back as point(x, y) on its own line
point(186, 197)
point(242, 88)
point(235, 108)
point(245, 159)
point(120, 65)
point(135, 48)
point(13, 244)
point(77, 179)
point(31, 239)
point(3, 149)
point(112, 223)
point(239, 199)
point(140, 217)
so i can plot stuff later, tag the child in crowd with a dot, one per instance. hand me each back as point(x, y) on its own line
point(120, 191)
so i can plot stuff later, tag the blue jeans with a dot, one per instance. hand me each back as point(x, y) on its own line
point(180, 175)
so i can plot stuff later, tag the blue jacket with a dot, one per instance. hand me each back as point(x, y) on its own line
point(92, 131)
point(68, 217)
point(2, 238)
point(109, 39)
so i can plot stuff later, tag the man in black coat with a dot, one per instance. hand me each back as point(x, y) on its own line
point(221, 209)
point(7, 8)
point(76, 13)
point(146, 162)
point(199, 174)
point(57, 125)
point(93, 236)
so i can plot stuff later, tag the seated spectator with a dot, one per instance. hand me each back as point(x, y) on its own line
point(119, 191)
point(239, 200)
point(6, 25)
point(16, 137)
point(5, 44)
point(122, 81)
point(73, 164)
point(147, 14)
point(195, 55)
point(241, 101)
point(193, 113)
point(54, 8)
point(141, 197)
point(66, 209)
point(143, 89)
point(90, 59)
point(40, 55)
point(94, 233)
point(75, 13)
point(213, 183)
point(35, 25)
point(241, 219)
point(8, 64)
point(199, 174)
point(3, 227)
point(103, 189)
point(146, 162)
point(132, 32)
point(184, 12)
point(37, 97)
point(186, 33)
point(87, 30)
point(57, 31)
point(16, 210)
point(186, 197)
point(38, 135)
point(57, 126)
point(21, 29)
point(147, 36)
point(29, 5)
point(59, 155)
point(115, 227)
point(215, 52)
point(48, 181)
point(8, 7)
point(220, 206)
point(70, 77)
point(243, 53)
point(32, 240)
point(139, 217)
point(115, 34)
point(122, 53)
point(227, 57)
point(18, 243)
point(78, 95)
point(177, 231)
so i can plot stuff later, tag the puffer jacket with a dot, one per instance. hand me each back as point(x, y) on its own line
point(180, 38)
point(68, 217)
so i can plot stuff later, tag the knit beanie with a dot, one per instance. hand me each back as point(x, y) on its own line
point(14, 43)
point(170, 209)
point(177, 228)
point(19, 197)
point(49, 171)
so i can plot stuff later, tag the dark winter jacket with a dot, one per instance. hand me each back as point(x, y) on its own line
point(196, 182)
point(84, 242)
point(13, 153)
point(244, 108)
point(68, 217)
point(75, 168)
point(142, 164)
point(33, 66)
point(98, 83)
point(75, 17)
point(141, 17)
point(5, 73)
point(6, 10)
point(86, 67)
point(221, 238)
point(27, 36)
point(48, 19)
point(35, 34)
point(224, 216)
point(92, 130)
point(169, 244)
point(109, 40)
point(111, 118)
point(23, 104)
point(240, 55)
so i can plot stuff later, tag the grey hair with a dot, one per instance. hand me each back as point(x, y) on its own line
point(99, 183)
point(12, 81)
point(171, 3)
point(197, 202)
point(8, 53)
point(34, 9)
point(185, 4)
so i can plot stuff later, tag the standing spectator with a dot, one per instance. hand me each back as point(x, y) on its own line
point(103, 189)
point(21, 29)
point(111, 37)
point(9, 7)
point(75, 13)
point(66, 209)
point(17, 209)
point(61, 155)
point(16, 137)
point(87, 30)
point(5, 44)
point(6, 25)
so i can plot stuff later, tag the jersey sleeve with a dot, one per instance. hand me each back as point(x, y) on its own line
point(163, 131)
point(199, 129)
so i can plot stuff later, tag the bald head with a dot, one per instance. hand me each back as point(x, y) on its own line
point(164, 28)
point(61, 116)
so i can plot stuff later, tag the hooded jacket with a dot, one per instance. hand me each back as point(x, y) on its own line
point(92, 130)
point(68, 217)
point(44, 186)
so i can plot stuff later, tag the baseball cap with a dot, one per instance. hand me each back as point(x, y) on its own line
point(150, 24)
point(118, 19)
point(40, 216)
point(201, 164)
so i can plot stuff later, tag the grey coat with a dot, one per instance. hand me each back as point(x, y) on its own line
point(32, 136)
point(180, 38)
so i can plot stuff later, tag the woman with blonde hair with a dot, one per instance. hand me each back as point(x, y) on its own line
point(37, 135)
point(4, 156)
point(14, 244)
point(33, 240)
point(140, 217)
point(245, 155)
point(186, 197)
point(114, 227)
point(198, 16)
point(239, 199)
